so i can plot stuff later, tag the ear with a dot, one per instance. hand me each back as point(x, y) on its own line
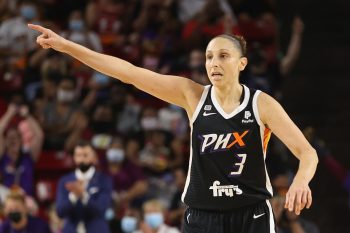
point(243, 61)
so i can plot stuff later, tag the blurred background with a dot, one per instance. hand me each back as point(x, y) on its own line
point(297, 51)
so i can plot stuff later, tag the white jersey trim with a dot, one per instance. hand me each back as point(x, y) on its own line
point(200, 103)
point(188, 178)
point(255, 107)
point(262, 132)
point(237, 110)
point(272, 221)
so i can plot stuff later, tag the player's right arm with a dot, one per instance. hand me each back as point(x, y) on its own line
point(173, 89)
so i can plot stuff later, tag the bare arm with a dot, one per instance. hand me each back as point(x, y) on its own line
point(4, 121)
point(173, 89)
point(294, 46)
point(274, 117)
point(37, 144)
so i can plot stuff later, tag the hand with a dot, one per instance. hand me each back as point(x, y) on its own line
point(12, 109)
point(24, 111)
point(298, 196)
point(75, 187)
point(49, 39)
point(298, 25)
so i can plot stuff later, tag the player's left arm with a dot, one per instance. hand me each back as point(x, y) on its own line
point(275, 118)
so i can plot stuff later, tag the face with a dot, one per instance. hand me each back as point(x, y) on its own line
point(223, 62)
point(14, 206)
point(13, 141)
point(84, 155)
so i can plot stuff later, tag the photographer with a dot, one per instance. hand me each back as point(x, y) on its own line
point(20, 146)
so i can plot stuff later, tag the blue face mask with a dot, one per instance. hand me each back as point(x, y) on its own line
point(109, 214)
point(28, 12)
point(115, 155)
point(76, 25)
point(129, 224)
point(154, 220)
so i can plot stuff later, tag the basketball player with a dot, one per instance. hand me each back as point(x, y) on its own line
point(227, 188)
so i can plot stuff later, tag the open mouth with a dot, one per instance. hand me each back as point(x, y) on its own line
point(216, 74)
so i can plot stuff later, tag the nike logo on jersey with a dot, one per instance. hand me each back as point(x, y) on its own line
point(258, 216)
point(222, 141)
point(208, 113)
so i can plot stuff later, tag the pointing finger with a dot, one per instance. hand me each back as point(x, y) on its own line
point(38, 28)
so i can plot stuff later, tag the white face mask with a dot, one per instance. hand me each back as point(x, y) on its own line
point(115, 155)
point(65, 96)
point(149, 123)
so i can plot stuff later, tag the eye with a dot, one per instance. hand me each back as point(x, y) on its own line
point(224, 55)
point(209, 56)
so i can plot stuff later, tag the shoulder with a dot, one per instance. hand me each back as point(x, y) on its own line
point(267, 106)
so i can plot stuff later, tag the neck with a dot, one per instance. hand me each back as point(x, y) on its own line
point(229, 94)
point(22, 224)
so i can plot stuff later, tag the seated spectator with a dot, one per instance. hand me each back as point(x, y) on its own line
point(209, 22)
point(20, 147)
point(129, 180)
point(130, 220)
point(289, 222)
point(153, 219)
point(266, 75)
point(177, 207)
point(258, 24)
point(55, 223)
point(15, 37)
point(102, 126)
point(84, 195)
point(79, 32)
point(18, 219)
point(62, 121)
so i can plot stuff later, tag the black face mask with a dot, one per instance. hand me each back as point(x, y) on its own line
point(102, 126)
point(83, 167)
point(15, 216)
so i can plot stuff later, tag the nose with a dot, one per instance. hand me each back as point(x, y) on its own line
point(214, 62)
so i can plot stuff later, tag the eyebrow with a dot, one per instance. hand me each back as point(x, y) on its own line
point(220, 50)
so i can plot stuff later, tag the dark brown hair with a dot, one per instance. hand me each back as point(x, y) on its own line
point(238, 41)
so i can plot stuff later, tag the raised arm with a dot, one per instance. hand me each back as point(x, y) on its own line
point(289, 60)
point(4, 121)
point(275, 118)
point(173, 89)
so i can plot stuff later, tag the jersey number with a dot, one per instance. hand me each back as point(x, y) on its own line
point(239, 166)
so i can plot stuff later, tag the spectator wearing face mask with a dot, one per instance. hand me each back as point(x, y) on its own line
point(15, 38)
point(153, 219)
point(128, 179)
point(129, 222)
point(20, 147)
point(18, 219)
point(84, 195)
point(79, 33)
point(62, 121)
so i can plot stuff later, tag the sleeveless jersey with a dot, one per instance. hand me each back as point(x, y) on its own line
point(227, 159)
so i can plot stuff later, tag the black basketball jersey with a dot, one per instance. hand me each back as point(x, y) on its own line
point(227, 162)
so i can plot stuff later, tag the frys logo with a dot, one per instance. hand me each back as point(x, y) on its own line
point(225, 190)
point(220, 142)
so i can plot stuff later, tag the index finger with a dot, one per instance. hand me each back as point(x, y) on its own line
point(37, 28)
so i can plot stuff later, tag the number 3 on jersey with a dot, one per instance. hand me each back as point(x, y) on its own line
point(239, 166)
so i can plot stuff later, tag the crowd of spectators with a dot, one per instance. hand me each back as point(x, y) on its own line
point(133, 174)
